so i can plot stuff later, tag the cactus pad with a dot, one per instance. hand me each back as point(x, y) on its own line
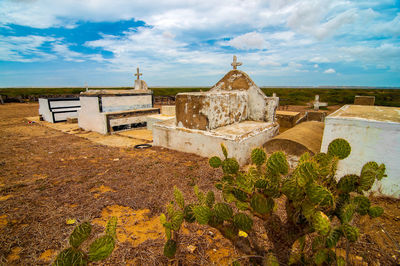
point(239, 194)
point(223, 211)
point(340, 148)
point(258, 156)
point(176, 220)
point(230, 166)
point(346, 212)
point(243, 222)
point(261, 183)
point(375, 211)
point(347, 183)
point(101, 248)
point(320, 256)
point(261, 204)
point(202, 214)
point(319, 195)
point(277, 163)
point(215, 162)
point(70, 256)
point(321, 223)
point(291, 189)
point(170, 248)
point(179, 198)
point(210, 199)
point(362, 204)
point(350, 232)
point(271, 260)
point(80, 234)
point(308, 172)
point(215, 220)
point(111, 227)
point(333, 238)
point(224, 150)
point(367, 179)
point(188, 214)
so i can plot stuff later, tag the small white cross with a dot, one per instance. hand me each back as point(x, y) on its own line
point(235, 64)
point(138, 74)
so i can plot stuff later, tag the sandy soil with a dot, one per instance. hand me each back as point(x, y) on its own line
point(48, 176)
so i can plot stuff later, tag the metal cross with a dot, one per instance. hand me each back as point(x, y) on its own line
point(138, 74)
point(235, 64)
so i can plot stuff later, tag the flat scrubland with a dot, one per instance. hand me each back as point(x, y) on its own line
point(288, 96)
point(48, 177)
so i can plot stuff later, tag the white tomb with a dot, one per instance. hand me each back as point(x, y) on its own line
point(234, 112)
point(55, 110)
point(374, 135)
point(106, 111)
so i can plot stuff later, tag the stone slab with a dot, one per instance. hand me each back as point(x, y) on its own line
point(168, 110)
point(239, 138)
point(364, 100)
point(287, 119)
point(151, 119)
point(316, 116)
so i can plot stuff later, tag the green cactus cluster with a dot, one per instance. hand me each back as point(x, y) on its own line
point(316, 199)
point(100, 248)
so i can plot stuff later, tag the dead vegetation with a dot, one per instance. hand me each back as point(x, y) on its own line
point(48, 177)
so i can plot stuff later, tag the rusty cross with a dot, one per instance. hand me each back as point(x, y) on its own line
point(138, 74)
point(235, 64)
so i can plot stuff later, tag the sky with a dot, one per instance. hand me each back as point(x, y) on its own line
point(191, 43)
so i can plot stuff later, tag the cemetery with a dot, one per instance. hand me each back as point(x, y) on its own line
point(251, 155)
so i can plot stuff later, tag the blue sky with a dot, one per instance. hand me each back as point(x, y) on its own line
point(191, 43)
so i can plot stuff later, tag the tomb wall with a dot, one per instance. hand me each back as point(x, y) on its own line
point(374, 135)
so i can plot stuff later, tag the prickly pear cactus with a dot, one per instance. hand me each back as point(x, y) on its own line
point(258, 156)
point(80, 234)
point(100, 249)
point(317, 201)
point(71, 256)
point(340, 148)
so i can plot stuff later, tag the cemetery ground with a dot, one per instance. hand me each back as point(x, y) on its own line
point(48, 177)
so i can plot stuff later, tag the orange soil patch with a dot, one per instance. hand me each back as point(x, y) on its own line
point(102, 189)
point(134, 226)
point(3, 198)
point(48, 255)
point(14, 254)
point(3, 221)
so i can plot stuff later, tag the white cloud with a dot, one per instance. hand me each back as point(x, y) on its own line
point(330, 71)
point(248, 41)
point(319, 59)
point(24, 49)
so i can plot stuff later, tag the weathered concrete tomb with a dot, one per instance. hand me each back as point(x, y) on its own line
point(234, 112)
point(55, 110)
point(364, 100)
point(374, 135)
point(106, 111)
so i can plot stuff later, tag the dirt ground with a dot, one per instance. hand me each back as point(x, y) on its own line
point(48, 177)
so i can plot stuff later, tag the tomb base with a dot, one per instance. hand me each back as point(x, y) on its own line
point(239, 138)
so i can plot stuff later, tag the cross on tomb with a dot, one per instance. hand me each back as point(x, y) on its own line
point(235, 64)
point(317, 104)
point(138, 74)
